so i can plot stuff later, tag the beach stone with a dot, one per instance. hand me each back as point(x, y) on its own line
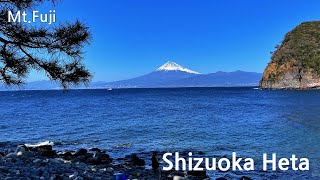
point(81, 152)
point(177, 173)
point(245, 178)
point(79, 159)
point(7, 151)
point(98, 155)
point(96, 159)
point(10, 178)
point(178, 178)
point(201, 153)
point(55, 161)
point(67, 155)
point(106, 159)
point(73, 176)
point(32, 171)
point(37, 161)
point(12, 171)
point(95, 149)
point(136, 161)
point(3, 170)
point(103, 170)
point(35, 177)
point(45, 175)
point(110, 170)
point(11, 156)
point(54, 177)
point(22, 151)
point(197, 173)
point(221, 178)
point(105, 156)
point(89, 156)
point(45, 150)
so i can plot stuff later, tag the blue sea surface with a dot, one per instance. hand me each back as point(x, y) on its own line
point(217, 121)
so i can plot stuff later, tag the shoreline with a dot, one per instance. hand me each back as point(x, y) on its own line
point(41, 161)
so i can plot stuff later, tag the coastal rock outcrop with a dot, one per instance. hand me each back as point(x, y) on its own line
point(296, 62)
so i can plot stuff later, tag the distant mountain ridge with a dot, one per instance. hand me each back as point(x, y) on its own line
point(169, 74)
point(172, 74)
point(226, 79)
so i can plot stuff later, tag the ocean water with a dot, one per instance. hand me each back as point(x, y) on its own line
point(217, 121)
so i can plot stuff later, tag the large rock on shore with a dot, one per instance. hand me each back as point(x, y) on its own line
point(22, 151)
point(198, 173)
point(44, 150)
point(296, 62)
point(136, 161)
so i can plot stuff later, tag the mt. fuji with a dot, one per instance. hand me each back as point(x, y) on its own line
point(172, 66)
point(172, 74)
point(161, 77)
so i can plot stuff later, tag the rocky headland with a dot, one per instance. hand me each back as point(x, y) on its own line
point(295, 64)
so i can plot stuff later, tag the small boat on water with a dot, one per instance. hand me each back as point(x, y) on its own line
point(109, 89)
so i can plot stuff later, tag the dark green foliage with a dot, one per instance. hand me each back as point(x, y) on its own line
point(272, 77)
point(301, 46)
point(55, 50)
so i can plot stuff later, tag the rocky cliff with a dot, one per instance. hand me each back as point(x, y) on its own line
point(296, 62)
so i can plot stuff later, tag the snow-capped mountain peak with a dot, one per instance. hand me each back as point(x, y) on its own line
point(172, 66)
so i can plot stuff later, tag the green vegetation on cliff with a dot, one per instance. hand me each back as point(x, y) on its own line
point(302, 46)
point(296, 62)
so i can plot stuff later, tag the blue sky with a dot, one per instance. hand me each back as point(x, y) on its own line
point(134, 37)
